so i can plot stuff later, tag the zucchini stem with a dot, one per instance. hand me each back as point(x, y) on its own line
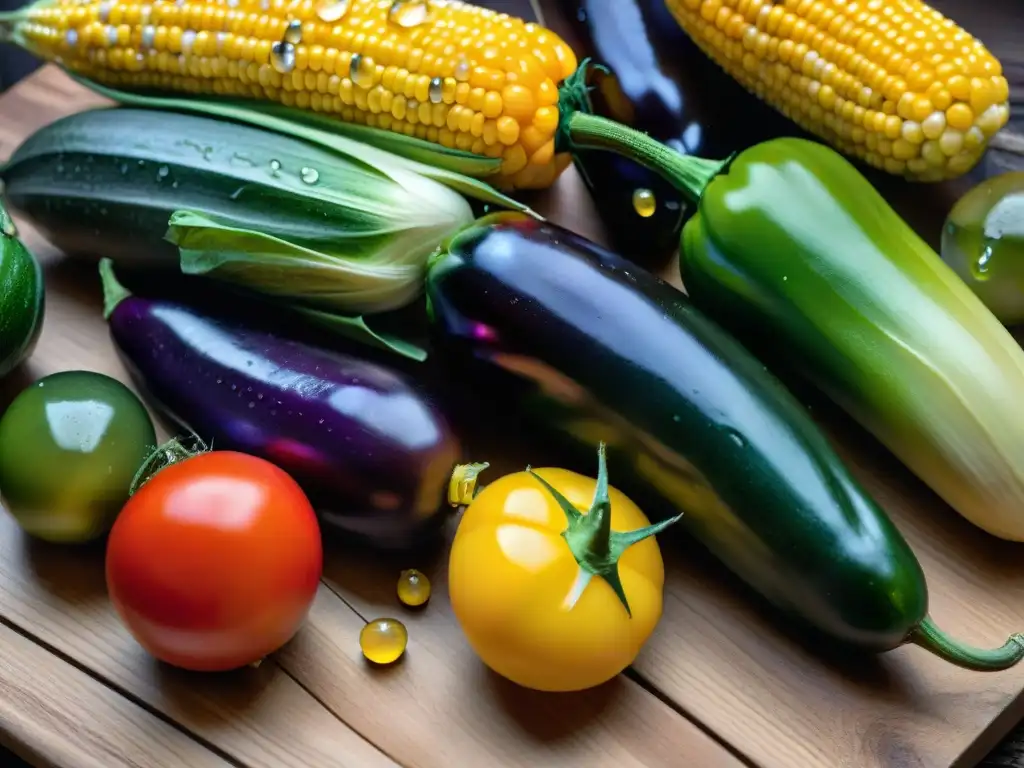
point(113, 292)
point(933, 639)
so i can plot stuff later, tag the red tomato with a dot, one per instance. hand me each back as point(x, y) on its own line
point(215, 561)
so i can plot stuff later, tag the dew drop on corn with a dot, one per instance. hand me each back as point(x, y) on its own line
point(383, 641)
point(436, 91)
point(362, 70)
point(293, 32)
point(409, 13)
point(331, 11)
point(282, 57)
point(644, 202)
point(413, 588)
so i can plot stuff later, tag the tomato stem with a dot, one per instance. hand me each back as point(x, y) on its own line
point(171, 452)
point(596, 547)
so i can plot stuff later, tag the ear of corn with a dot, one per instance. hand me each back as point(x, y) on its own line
point(892, 82)
point(462, 77)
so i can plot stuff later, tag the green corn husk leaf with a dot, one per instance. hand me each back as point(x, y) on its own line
point(453, 168)
point(374, 276)
point(357, 329)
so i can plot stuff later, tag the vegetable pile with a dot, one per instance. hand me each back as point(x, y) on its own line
point(336, 203)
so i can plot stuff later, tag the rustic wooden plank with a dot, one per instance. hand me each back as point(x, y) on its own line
point(440, 706)
point(54, 714)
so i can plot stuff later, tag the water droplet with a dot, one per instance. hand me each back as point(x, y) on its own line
point(412, 106)
point(145, 14)
point(71, 37)
point(409, 13)
point(142, 163)
point(644, 202)
point(162, 172)
point(252, 404)
point(983, 264)
point(293, 32)
point(60, 167)
point(234, 387)
point(273, 412)
point(220, 381)
point(249, 389)
point(581, 14)
point(361, 70)
point(222, 38)
point(238, 192)
point(124, 169)
point(436, 90)
point(112, 35)
point(310, 175)
point(332, 10)
point(265, 5)
point(282, 56)
point(736, 438)
point(259, 396)
point(275, 168)
point(103, 14)
point(677, 418)
point(462, 70)
point(321, 421)
point(174, 184)
point(78, 169)
point(188, 39)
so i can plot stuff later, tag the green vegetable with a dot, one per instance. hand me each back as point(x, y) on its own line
point(795, 252)
point(22, 298)
point(70, 445)
point(983, 241)
point(289, 211)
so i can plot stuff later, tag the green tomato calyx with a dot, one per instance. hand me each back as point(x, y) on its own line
point(173, 451)
point(596, 547)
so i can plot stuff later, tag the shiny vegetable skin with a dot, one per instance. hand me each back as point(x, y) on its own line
point(591, 348)
point(653, 89)
point(370, 451)
point(22, 297)
point(795, 252)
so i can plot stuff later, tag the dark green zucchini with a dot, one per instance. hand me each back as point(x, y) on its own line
point(585, 347)
point(22, 298)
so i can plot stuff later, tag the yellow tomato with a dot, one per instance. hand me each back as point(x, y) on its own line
point(534, 592)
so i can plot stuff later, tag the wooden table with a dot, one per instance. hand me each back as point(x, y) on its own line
point(719, 685)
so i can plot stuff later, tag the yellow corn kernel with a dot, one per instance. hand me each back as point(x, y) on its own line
point(459, 75)
point(929, 94)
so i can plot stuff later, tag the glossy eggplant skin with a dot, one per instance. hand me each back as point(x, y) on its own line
point(371, 451)
point(584, 346)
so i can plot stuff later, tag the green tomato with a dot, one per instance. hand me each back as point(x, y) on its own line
point(70, 445)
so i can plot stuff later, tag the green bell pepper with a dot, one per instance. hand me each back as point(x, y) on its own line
point(797, 254)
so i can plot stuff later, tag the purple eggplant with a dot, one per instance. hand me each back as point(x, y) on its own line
point(371, 451)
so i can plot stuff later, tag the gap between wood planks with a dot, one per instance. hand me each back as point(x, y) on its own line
point(72, 661)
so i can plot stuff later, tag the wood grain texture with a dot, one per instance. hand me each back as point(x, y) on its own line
point(57, 715)
point(437, 708)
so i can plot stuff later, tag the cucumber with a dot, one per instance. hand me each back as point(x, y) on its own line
point(584, 346)
point(105, 182)
point(22, 298)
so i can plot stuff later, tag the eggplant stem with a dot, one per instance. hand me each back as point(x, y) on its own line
point(113, 292)
point(171, 452)
point(933, 639)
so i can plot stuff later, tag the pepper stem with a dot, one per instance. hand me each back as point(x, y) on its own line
point(578, 128)
point(113, 292)
point(7, 227)
point(171, 452)
point(596, 547)
point(933, 639)
point(689, 174)
point(462, 485)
